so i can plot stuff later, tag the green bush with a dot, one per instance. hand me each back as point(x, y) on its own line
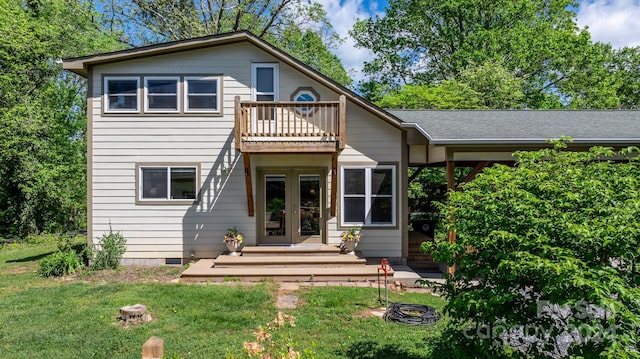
point(546, 256)
point(109, 251)
point(60, 263)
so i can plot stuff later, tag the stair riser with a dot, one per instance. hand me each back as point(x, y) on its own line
point(289, 278)
point(287, 265)
point(297, 253)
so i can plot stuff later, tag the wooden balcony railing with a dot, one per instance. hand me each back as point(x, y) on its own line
point(290, 126)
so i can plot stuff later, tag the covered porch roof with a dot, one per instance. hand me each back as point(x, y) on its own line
point(471, 136)
point(477, 139)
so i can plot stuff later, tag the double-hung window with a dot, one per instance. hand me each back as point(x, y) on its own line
point(202, 94)
point(170, 183)
point(161, 94)
point(264, 88)
point(368, 195)
point(121, 94)
point(264, 82)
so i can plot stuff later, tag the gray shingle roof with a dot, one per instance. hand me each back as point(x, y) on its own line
point(523, 126)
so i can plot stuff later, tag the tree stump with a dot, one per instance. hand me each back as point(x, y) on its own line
point(136, 313)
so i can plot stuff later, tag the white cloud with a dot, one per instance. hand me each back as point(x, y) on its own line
point(342, 15)
point(613, 21)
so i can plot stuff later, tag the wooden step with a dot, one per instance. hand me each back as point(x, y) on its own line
point(344, 260)
point(295, 250)
point(204, 270)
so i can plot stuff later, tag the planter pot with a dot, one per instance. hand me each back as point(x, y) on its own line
point(233, 247)
point(349, 247)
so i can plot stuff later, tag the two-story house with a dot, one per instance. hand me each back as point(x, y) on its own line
point(189, 138)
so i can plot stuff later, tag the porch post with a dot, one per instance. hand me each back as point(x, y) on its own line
point(334, 182)
point(451, 186)
point(238, 128)
point(248, 183)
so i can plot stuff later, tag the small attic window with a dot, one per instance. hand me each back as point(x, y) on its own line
point(305, 94)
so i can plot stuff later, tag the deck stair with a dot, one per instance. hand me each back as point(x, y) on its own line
point(284, 263)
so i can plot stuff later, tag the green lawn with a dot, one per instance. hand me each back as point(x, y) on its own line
point(57, 318)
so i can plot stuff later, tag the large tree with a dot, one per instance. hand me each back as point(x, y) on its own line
point(422, 42)
point(42, 120)
point(299, 27)
point(546, 256)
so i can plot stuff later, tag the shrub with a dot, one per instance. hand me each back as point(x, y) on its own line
point(60, 263)
point(109, 251)
point(546, 256)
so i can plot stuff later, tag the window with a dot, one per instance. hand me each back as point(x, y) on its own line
point(161, 94)
point(168, 182)
point(305, 94)
point(121, 94)
point(201, 94)
point(368, 196)
point(264, 82)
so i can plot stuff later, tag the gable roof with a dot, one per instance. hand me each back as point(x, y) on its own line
point(81, 65)
point(448, 127)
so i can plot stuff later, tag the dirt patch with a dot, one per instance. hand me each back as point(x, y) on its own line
point(373, 312)
point(285, 297)
point(16, 270)
point(128, 274)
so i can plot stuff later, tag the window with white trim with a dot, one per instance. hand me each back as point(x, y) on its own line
point(202, 94)
point(161, 94)
point(168, 182)
point(368, 195)
point(121, 94)
point(264, 82)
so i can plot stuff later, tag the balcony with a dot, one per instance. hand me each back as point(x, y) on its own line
point(290, 127)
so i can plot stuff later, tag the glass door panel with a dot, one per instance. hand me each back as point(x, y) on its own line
point(309, 209)
point(275, 189)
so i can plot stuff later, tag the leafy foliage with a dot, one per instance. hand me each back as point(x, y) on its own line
point(109, 251)
point(60, 263)
point(450, 94)
point(535, 45)
point(299, 27)
point(69, 258)
point(488, 86)
point(42, 118)
point(548, 247)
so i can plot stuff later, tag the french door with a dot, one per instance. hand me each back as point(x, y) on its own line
point(291, 207)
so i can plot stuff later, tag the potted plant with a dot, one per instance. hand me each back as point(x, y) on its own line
point(350, 239)
point(233, 239)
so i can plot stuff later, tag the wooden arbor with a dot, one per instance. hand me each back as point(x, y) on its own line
point(281, 127)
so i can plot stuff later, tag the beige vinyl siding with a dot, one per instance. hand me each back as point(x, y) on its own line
point(121, 141)
point(371, 142)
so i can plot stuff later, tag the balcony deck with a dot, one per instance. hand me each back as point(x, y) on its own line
point(289, 126)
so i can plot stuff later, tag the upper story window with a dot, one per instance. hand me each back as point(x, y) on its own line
point(167, 183)
point(201, 94)
point(264, 82)
point(161, 94)
point(121, 94)
point(369, 195)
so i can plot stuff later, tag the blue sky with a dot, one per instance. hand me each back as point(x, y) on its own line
point(612, 21)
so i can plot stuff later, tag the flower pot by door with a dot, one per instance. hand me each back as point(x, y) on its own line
point(349, 246)
point(233, 247)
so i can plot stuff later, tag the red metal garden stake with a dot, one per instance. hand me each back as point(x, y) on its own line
point(384, 266)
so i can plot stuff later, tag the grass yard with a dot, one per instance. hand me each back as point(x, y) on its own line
point(77, 317)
